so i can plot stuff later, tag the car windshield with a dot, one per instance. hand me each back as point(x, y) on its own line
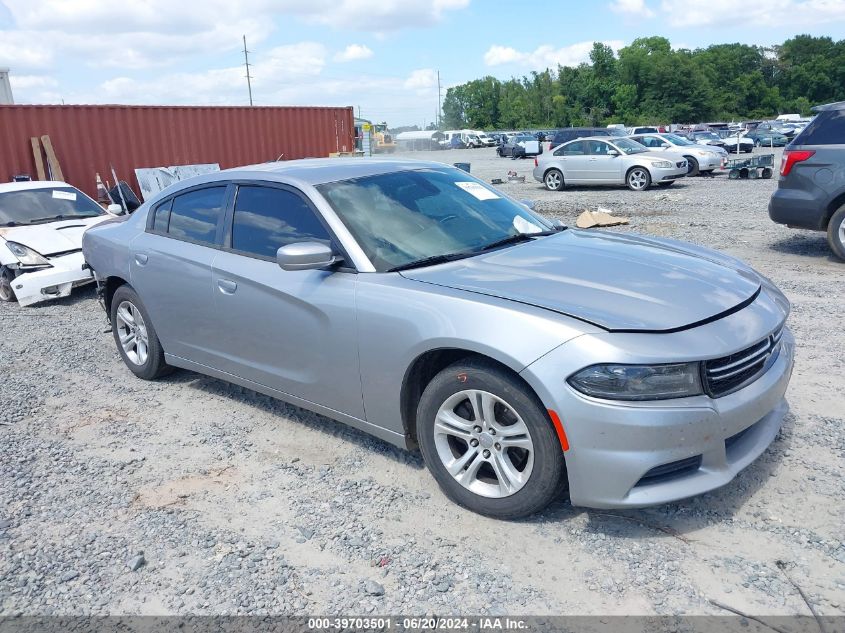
point(710, 135)
point(406, 217)
point(677, 140)
point(36, 206)
point(629, 146)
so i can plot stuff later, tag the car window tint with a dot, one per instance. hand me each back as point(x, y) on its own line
point(266, 218)
point(828, 128)
point(575, 149)
point(162, 216)
point(194, 215)
point(599, 148)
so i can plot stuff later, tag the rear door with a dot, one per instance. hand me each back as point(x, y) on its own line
point(575, 160)
point(170, 269)
point(292, 331)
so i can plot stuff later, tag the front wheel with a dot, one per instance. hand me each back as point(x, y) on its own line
point(7, 293)
point(836, 233)
point(488, 441)
point(692, 166)
point(135, 336)
point(553, 180)
point(638, 179)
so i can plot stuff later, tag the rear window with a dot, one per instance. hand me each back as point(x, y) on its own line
point(828, 128)
point(194, 215)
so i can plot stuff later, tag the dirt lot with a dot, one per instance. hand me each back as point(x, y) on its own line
point(242, 504)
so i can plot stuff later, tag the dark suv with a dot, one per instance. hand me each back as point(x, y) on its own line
point(571, 133)
point(811, 190)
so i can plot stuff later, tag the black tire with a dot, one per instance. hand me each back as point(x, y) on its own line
point(553, 180)
point(767, 173)
point(692, 166)
point(836, 233)
point(7, 293)
point(545, 482)
point(153, 366)
point(646, 175)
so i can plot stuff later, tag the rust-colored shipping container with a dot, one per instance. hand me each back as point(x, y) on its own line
point(88, 139)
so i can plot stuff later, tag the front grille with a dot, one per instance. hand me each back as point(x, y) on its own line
point(730, 373)
point(672, 470)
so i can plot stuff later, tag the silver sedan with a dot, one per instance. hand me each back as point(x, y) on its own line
point(607, 161)
point(414, 302)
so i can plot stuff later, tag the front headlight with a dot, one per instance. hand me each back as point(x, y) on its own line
point(662, 164)
point(639, 382)
point(26, 255)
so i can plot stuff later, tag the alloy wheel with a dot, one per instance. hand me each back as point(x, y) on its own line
point(553, 180)
point(132, 332)
point(638, 179)
point(484, 443)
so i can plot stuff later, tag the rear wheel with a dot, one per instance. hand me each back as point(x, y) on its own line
point(553, 180)
point(836, 233)
point(6, 292)
point(488, 441)
point(767, 173)
point(135, 335)
point(638, 179)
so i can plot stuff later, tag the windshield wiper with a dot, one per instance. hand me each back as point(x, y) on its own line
point(431, 261)
point(57, 218)
point(516, 239)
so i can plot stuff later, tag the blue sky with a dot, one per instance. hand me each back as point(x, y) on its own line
point(381, 55)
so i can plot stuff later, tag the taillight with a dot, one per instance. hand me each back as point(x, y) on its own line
point(536, 163)
point(792, 156)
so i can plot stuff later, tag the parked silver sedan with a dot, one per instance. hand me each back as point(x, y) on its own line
point(414, 302)
point(606, 161)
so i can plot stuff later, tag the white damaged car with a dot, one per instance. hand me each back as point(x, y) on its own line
point(41, 227)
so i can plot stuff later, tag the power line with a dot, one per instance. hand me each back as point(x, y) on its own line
point(248, 76)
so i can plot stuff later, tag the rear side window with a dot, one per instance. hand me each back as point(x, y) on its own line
point(194, 215)
point(575, 149)
point(162, 216)
point(266, 218)
point(828, 128)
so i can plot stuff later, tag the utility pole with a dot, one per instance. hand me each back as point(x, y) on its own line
point(438, 100)
point(248, 76)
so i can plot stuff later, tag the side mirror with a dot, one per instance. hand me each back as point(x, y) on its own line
point(613, 152)
point(528, 203)
point(305, 256)
point(114, 209)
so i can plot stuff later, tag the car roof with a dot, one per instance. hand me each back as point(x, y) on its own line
point(838, 105)
point(315, 171)
point(5, 187)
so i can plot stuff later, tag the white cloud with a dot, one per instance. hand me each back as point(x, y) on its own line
point(422, 80)
point(32, 82)
point(545, 56)
point(771, 13)
point(632, 7)
point(353, 52)
point(383, 15)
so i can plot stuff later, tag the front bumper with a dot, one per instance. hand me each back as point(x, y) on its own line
point(665, 174)
point(614, 446)
point(51, 283)
point(709, 162)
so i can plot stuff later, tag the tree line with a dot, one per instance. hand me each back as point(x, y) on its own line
point(649, 82)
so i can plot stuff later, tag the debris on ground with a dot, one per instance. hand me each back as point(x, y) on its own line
point(602, 217)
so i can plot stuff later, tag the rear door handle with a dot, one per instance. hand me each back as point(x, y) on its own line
point(226, 286)
point(141, 258)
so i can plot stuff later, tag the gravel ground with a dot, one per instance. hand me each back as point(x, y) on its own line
point(189, 495)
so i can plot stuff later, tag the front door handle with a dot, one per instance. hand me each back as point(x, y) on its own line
point(226, 286)
point(141, 258)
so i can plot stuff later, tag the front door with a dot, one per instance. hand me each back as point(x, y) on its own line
point(294, 332)
point(604, 166)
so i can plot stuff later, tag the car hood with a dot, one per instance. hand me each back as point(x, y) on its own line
point(55, 237)
point(617, 282)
